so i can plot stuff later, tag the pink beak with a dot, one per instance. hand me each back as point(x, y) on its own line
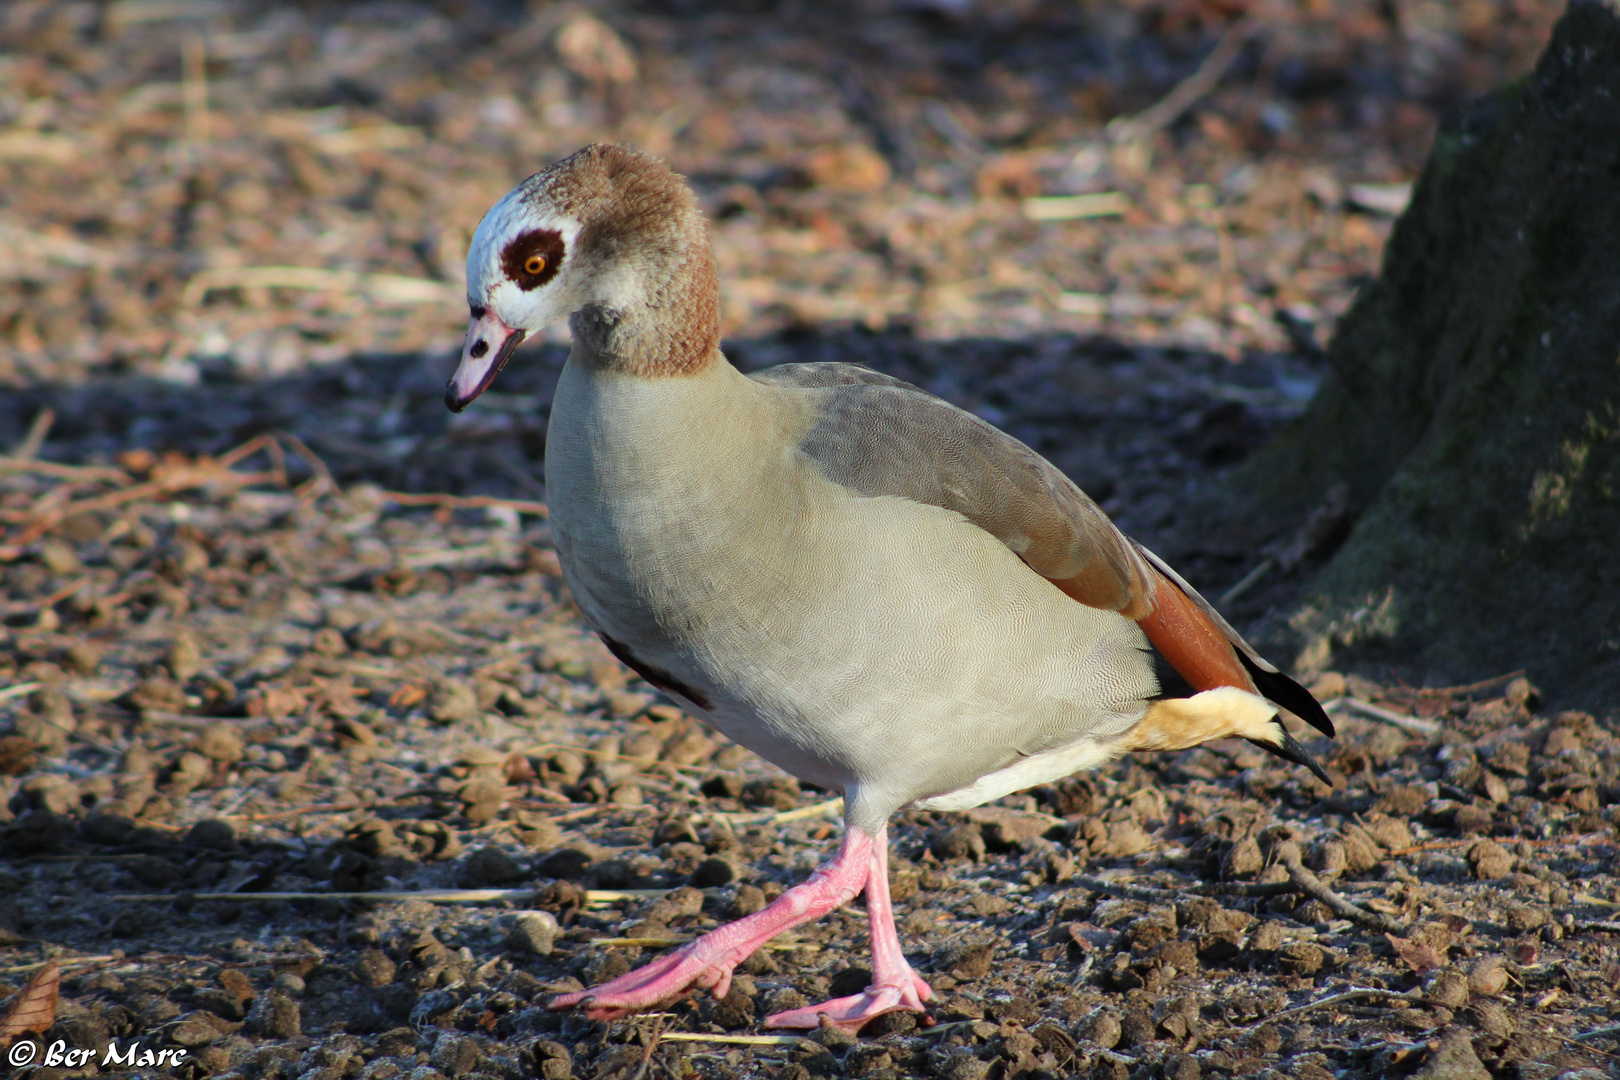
point(490, 344)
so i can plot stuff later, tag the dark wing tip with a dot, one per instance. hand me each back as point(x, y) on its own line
point(1290, 750)
point(1277, 687)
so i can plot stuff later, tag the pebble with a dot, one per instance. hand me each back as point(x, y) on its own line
point(1263, 1040)
point(213, 833)
point(373, 968)
point(1522, 918)
point(237, 984)
point(1005, 829)
point(961, 841)
point(626, 795)
point(971, 961)
point(490, 866)
point(107, 828)
point(1493, 1018)
point(1242, 859)
point(747, 900)
point(1102, 1028)
point(1126, 838)
point(275, 1015)
point(452, 702)
point(184, 656)
point(1300, 958)
point(1183, 1067)
point(1488, 860)
point(193, 1033)
point(1136, 1028)
point(532, 932)
point(693, 748)
point(1447, 987)
point(712, 873)
point(1453, 1059)
point(778, 793)
point(482, 798)
point(734, 1011)
point(454, 1054)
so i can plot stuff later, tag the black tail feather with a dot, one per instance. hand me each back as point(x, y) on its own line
point(1291, 751)
point(1277, 687)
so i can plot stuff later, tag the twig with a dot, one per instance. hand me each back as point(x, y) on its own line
point(1129, 892)
point(194, 95)
point(1575, 1042)
point(614, 896)
point(1249, 581)
point(1214, 888)
point(1595, 901)
point(58, 471)
point(782, 817)
point(1246, 888)
point(317, 808)
point(469, 502)
point(432, 896)
point(1483, 684)
point(184, 720)
point(1314, 887)
point(62, 961)
point(1334, 999)
point(18, 690)
point(830, 807)
point(389, 288)
point(35, 437)
point(733, 1040)
point(652, 1046)
point(1185, 94)
point(316, 463)
point(1375, 712)
point(1599, 1033)
point(1606, 927)
point(1072, 207)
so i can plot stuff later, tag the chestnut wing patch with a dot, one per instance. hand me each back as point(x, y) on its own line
point(519, 258)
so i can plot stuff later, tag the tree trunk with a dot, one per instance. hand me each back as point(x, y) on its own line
point(1473, 403)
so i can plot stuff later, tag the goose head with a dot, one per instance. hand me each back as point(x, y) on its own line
point(609, 234)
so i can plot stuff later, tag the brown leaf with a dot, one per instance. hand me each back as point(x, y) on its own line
point(35, 1008)
point(408, 695)
point(1420, 956)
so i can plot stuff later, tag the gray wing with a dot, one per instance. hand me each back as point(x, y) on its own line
point(880, 436)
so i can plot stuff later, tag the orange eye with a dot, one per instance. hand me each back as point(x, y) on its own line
point(534, 264)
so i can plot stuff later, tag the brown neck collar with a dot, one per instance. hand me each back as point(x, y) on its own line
point(671, 332)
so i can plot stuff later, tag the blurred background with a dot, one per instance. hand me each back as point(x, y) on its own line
point(219, 217)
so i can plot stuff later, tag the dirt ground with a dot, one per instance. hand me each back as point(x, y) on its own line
point(278, 629)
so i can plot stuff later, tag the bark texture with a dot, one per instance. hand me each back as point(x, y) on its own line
point(1473, 405)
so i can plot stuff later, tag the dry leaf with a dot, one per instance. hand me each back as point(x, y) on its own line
point(408, 695)
point(34, 1009)
point(1420, 956)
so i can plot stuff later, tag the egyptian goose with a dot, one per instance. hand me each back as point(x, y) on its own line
point(872, 588)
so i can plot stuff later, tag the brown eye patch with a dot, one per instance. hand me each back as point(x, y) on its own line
point(533, 258)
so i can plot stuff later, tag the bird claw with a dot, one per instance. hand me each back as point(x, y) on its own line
point(852, 1013)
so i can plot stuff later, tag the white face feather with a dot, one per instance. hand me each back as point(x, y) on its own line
point(489, 284)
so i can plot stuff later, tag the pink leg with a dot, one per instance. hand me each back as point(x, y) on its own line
point(708, 961)
point(894, 985)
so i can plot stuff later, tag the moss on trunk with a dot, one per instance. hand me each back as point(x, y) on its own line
point(1473, 405)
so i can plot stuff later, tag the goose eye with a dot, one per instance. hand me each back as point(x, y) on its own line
point(534, 264)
